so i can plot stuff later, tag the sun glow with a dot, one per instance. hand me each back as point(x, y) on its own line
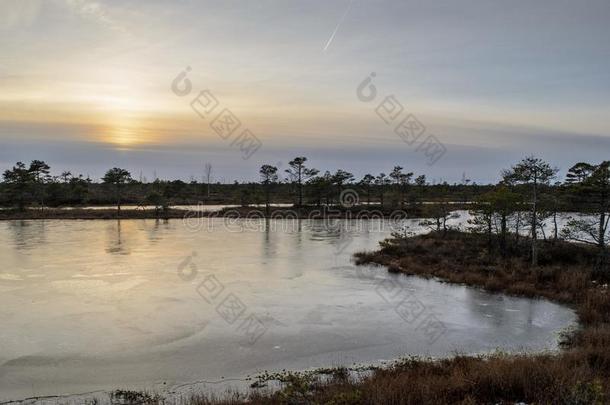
point(123, 136)
point(122, 130)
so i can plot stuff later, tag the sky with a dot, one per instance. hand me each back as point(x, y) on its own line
point(89, 85)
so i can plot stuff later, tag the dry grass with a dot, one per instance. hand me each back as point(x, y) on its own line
point(86, 214)
point(247, 212)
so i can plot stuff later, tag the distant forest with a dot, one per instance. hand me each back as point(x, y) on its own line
point(33, 186)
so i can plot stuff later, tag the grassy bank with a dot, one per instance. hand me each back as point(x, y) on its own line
point(83, 213)
point(248, 212)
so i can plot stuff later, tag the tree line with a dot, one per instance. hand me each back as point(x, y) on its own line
point(528, 196)
point(33, 186)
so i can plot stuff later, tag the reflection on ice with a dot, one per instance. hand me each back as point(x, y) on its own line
point(89, 305)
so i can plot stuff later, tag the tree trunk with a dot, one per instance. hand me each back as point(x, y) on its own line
point(533, 225)
point(41, 195)
point(601, 239)
point(517, 228)
point(118, 201)
point(267, 195)
point(300, 194)
point(602, 221)
point(503, 233)
point(300, 185)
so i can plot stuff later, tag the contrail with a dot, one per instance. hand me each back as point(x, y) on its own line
point(330, 40)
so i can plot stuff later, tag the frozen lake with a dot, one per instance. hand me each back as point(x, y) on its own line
point(171, 307)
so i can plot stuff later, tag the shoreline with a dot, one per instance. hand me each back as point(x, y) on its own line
point(253, 213)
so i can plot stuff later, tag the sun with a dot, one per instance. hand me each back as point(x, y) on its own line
point(122, 128)
point(122, 131)
point(123, 136)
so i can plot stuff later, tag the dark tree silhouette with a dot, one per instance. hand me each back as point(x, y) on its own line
point(19, 180)
point(269, 177)
point(40, 172)
point(534, 172)
point(592, 185)
point(298, 173)
point(340, 178)
point(401, 181)
point(117, 177)
point(578, 173)
point(366, 183)
point(381, 182)
point(66, 176)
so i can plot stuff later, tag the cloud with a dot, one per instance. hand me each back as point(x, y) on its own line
point(18, 13)
point(95, 11)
